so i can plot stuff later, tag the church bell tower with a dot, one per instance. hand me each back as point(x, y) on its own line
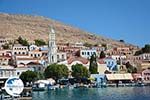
point(52, 54)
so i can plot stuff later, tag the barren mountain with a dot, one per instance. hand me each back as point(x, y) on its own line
point(37, 27)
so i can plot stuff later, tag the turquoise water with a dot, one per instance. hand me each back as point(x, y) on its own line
point(121, 93)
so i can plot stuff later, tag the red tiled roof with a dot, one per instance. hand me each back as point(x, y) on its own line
point(33, 63)
point(109, 57)
point(81, 59)
point(5, 56)
point(101, 61)
point(27, 59)
point(21, 55)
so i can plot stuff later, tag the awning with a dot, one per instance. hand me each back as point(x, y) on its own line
point(127, 76)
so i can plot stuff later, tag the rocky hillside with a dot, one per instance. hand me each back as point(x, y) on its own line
point(36, 27)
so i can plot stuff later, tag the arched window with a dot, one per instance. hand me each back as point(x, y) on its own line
point(57, 56)
point(52, 59)
point(63, 57)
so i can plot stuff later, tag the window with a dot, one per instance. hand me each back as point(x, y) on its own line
point(57, 56)
point(62, 56)
point(82, 53)
point(88, 53)
point(109, 63)
point(52, 59)
point(18, 73)
point(112, 63)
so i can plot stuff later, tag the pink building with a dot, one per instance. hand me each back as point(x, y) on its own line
point(146, 75)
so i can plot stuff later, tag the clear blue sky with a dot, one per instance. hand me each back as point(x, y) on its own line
point(117, 19)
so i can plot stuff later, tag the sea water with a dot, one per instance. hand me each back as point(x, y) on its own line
point(109, 93)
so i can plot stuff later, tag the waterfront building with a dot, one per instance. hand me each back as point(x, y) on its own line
point(146, 75)
point(20, 70)
point(10, 71)
point(5, 73)
point(100, 79)
point(119, 78)
point(137, 77)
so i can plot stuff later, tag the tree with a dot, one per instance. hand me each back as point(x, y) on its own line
point(56, 71)
point(130, 68)
point(39, 42)
point(102, 54)
point(22, 41)
point(93, 64)
point(79, 71)
point(145, 49)
point(87, 44)
point(6, 46)
point(138, 52)
point(40, 75)
point(28, 76)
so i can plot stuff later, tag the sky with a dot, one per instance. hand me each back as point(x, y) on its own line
point(117, 19)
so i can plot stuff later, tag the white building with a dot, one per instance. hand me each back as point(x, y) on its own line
point(33, 47)
point(10, 71)
point(87, 53)
point(61, 56)
point(19, 70)
point(7, 71)
point(145, 56)
point(119, 57)
point(35, 54)
point(18, 49)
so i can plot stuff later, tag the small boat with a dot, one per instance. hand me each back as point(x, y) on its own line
point(39, 87)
